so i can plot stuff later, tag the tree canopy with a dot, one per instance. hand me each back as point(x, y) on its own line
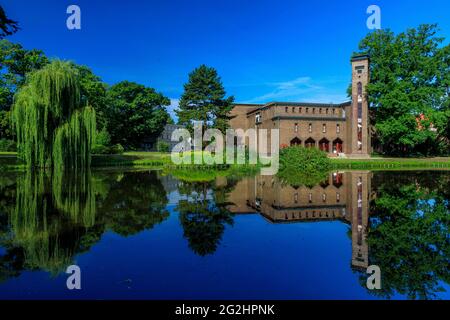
point(135, 113)
point(409, 90)
point(204, 100)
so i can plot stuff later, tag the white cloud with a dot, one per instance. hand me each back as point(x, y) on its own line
point(302, 89)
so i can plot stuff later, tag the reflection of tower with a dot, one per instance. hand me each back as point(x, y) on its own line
point(359, 206)
point(359, 133)
point(344, 196)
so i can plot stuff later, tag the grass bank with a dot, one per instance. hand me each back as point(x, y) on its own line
point(158, 160)
point(391, 163)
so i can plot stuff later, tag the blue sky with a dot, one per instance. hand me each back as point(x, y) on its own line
point(263, 50)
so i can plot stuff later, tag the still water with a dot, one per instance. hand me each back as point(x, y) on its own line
point(147, 235)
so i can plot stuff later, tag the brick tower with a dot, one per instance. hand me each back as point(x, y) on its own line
point(359, 134)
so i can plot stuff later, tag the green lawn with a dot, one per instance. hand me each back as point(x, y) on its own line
point(139, 159)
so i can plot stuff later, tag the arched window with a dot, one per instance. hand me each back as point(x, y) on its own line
point(359, 88)
point(296, 128)
point(338, 128)
point(287, 109)
point(324, 128)
point(310, 127)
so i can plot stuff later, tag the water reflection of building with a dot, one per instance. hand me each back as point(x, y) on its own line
point(343, 196)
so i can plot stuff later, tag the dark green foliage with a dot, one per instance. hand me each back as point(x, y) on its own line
point(133, 203)
point(303, 166)
point(116, 149)
point(93, 93)
point(8, 145)
point(409, 233)
point(7, 25)
point(204, 100)
point(135, 113)
point(203, 219)
point(410, 76)
point(162, 146)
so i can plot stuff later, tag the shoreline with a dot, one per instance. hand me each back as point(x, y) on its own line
point(155, 160)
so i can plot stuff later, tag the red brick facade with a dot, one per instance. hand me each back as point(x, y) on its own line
point(338, 129)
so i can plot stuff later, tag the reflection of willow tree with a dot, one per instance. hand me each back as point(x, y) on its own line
point(48, 225)
point(48, 218)
point(409, 237)
point(203, 215)
point(134, 203)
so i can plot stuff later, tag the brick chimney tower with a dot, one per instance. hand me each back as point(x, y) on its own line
point(359, 134)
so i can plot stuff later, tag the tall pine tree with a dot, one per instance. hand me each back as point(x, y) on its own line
point(204, 100)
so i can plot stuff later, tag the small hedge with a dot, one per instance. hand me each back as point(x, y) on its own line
point(162, 146)
point(303, 166)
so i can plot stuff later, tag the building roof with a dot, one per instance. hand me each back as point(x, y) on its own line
point(360, 57)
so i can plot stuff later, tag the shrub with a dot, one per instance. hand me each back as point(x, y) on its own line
point(102, 144)
point(99, 149)
point(162, 146)
point(303, 166)
point(117, 149)
point(103, 138)
point(7, 145)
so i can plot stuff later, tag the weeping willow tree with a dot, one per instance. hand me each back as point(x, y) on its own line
point(53, 129)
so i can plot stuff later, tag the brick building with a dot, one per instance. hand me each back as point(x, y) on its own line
point(338, 129)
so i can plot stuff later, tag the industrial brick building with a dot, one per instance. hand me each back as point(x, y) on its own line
point(338, 129)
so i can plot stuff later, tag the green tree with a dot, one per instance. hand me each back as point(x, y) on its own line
point(7, 26)
point(93, 93)
point(15, 62)
point(409, 78)
point(53, 129)
point(136, 113)
point(204, 100)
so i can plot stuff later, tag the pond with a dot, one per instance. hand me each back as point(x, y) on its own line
point(149, 235)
